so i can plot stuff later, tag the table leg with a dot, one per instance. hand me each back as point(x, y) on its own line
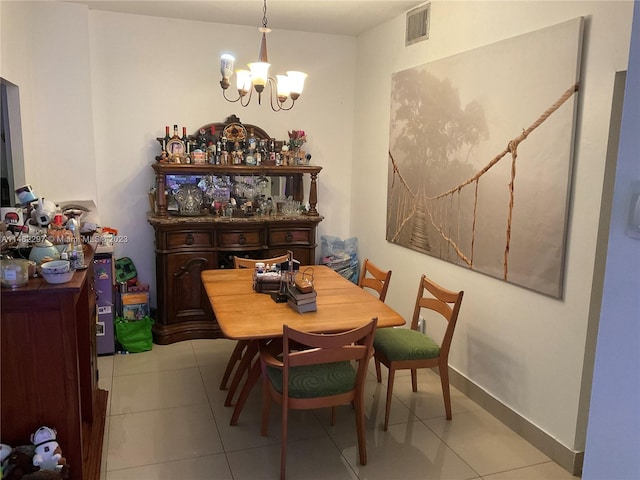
point(245, 365)
point(252, 379)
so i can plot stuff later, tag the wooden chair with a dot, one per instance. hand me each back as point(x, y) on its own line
point(243, 352)
point(239, 262)
point(319, 375)
point(407, 348)
point(374, 278)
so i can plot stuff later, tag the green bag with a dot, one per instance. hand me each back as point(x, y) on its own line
point(134, 335)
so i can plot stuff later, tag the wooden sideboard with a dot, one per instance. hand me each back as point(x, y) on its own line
point(187, 245)
point(49, 373)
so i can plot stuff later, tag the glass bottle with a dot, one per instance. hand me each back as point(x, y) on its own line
point(167, 137)
point(185, 139)
point(252, 141)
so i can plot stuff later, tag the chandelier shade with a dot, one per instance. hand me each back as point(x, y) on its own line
point(285, 88)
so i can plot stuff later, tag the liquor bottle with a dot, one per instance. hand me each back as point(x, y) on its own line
point(218, 151)
point(166, 139)
point(252, 142)
point(202, 139)
point(175, 132)
point(185, 139)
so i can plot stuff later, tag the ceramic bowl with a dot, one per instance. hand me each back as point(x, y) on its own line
point(56, 266)
point(55, 278)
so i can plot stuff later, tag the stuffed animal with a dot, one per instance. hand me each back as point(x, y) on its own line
point(48, 454)
point(5, 451)
point(19, 463)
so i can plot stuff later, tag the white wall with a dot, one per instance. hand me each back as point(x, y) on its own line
point(49, 61)
point(613, 434)
point(523, 348)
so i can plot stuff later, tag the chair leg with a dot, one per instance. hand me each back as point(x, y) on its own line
point(245, 365)
point(360, 429)
point(378, 372)
point(387, 408)
point(235, 357)
point(444, 379)
point(414, 379)
point(283, 447)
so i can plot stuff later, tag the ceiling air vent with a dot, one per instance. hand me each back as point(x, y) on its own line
point(418, 24)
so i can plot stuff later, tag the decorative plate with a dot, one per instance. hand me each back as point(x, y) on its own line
point(235, 132)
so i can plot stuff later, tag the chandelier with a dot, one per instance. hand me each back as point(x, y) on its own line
point(286, 87)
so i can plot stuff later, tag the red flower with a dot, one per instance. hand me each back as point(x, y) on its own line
point(296, 138)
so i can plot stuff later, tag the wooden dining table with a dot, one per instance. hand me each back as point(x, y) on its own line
point(244, 314)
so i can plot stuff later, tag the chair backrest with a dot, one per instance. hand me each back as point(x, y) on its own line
point(356, 344)
point(239, 262)
point(447, 303)
point(374, 278)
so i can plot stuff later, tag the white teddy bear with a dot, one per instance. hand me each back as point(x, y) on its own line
point(48, 454)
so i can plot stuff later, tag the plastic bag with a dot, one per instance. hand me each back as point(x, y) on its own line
point(341, 256)
point(134, 335)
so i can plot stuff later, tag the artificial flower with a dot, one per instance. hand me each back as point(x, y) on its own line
point(297, 138)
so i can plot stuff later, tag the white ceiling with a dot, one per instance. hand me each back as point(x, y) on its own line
point(339, 17)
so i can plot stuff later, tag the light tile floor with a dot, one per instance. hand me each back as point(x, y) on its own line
point(166, 420)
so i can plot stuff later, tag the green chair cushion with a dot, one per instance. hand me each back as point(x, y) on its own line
point(314, 381)
point(404, 344)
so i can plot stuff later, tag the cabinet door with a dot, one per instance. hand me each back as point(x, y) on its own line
point(187, 300)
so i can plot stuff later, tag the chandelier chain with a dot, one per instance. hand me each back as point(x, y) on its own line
point(264, 14)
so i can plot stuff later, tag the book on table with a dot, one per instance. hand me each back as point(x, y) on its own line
point(303, 307)
point(299, 297)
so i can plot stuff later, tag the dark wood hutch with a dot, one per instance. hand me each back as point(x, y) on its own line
point(185, 245)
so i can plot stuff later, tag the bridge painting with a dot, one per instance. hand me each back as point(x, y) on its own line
point(480, 156)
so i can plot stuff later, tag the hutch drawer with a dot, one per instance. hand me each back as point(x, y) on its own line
point(241, 238)
point(190, 238)
point(291, 236)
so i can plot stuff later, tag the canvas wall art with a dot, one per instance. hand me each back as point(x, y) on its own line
point(480, 156)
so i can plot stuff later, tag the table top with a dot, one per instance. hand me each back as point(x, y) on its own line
point(244, 314)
